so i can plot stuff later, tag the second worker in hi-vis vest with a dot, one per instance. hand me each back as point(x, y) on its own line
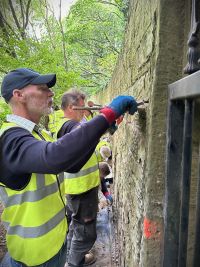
point(81, 189)
point(31, 167)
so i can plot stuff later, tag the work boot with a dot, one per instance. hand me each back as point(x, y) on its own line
point(89, 259)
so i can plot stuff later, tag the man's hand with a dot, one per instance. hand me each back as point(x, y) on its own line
point(119, 120)
point(90, 103)
point(119, 106)
point(122, 104)
point(109, 199)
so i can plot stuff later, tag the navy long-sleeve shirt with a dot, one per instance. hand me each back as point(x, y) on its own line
point(21, 154)
point(67, 127)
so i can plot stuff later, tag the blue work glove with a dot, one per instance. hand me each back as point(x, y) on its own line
point(118, 107)
point(122, 104)
point(110, 199)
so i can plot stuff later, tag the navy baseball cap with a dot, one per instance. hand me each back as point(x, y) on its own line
point(19, 78)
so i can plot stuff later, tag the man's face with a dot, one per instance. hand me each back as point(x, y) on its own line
point(38, 99)
point(78, 114)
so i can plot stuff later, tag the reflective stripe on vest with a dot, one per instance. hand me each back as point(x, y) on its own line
point(81, 172)
point(84, 180)
point(35, 216)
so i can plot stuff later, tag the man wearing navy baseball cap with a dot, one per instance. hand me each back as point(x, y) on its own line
point(32, 167)
point(20, 78)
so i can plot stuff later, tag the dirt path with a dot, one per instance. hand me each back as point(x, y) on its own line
point(103, 246)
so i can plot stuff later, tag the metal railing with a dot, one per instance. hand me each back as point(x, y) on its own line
point(183, 95)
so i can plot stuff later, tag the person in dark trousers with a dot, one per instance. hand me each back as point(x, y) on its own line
point(82, 191)
point(31, 167)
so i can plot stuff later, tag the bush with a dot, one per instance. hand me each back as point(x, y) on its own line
point(4, 110)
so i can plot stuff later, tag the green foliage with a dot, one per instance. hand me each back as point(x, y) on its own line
point(94, 33)
point(81, 49)
point(4, 110)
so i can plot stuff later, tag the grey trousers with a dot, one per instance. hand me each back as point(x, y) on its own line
point(82, 229)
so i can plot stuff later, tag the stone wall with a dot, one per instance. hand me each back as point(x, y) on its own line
point(153, 56)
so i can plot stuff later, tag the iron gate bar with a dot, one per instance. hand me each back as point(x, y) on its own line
point(172, 183)
point(188, 87)
point(196, 258)
point(179, 153)
point(185, 182)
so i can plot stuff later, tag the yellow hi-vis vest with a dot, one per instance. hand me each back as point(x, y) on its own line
point(34, 217)
point(84, 180)
point(54, 119)
point(91, 116)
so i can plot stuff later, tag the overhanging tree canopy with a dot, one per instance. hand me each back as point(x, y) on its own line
point(81, 49)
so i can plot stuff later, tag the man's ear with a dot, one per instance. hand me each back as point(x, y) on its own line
point(18, 94)
point(70, 107)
